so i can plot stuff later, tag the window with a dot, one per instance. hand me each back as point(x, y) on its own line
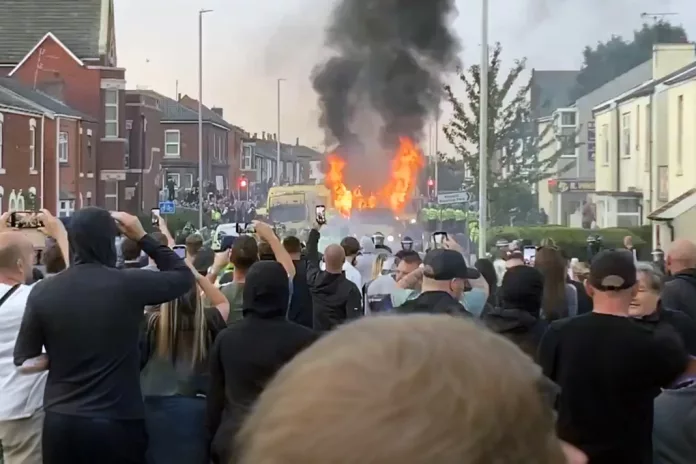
point(66, 208)
point(680, 134)
point(626, 134)
point(172, 144)
point(63, 147)
point(188, 181)
point(605, 141)
point(245, 160)
point(32, 145)
point(111, 113)
point(111, 195)
point(567, 145)
point(568, 118)
point(2, 120)
point(628, 212)
point(175, 177)
point(20, 202)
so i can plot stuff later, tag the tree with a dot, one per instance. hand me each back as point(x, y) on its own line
point(513, 140)
point(608, 60)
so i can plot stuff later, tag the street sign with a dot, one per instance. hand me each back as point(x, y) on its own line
point(167, 207)
point(453, 197)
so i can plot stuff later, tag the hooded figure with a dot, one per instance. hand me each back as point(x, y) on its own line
point(89, 319)
point(248, 353)
point(366, 259)
point(517, 319)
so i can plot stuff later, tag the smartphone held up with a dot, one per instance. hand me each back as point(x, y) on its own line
point(25, 220)
point(154, 217)
point(438, 239)
point(320, 214)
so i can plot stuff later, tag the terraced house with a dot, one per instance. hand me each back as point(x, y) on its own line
point(66, 49)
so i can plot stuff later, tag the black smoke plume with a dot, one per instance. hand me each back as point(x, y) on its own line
point(390, 57)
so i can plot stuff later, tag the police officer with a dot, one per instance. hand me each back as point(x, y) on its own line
point(407, 243)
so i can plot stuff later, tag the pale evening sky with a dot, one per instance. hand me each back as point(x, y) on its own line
point(249, 44)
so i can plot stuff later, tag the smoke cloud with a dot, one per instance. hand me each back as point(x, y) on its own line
point(389, 58)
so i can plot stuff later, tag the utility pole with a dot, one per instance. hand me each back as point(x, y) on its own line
point(483, 134)
point(278, 165)
point(437, 156)
point(200, 116)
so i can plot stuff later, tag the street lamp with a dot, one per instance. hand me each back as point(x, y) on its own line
point(483, 134)
point(278, 137)
point(200, 117)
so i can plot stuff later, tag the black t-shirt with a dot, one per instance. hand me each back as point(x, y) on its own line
point(609, 369)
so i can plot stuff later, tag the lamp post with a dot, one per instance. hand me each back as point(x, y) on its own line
point(200, 116)
point(483, 134)
point(278, 135)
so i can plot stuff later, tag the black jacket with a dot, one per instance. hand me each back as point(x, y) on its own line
point(584, 301)
point(89, 319)
point(520, 327)
point(673, 323)
point(433, 303)
point(301, 311)
point(247, 354)
point(335, 298)
point(679, 293)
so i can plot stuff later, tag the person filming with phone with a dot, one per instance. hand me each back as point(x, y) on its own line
point(89, 319)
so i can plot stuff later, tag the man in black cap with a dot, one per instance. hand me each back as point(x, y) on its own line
point(609, 368)
point(445, 278)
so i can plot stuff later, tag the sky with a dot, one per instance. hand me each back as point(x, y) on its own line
point(249, 45)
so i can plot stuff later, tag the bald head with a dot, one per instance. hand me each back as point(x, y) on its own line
point(681, 255)
point(16, 251)
point(334, 256)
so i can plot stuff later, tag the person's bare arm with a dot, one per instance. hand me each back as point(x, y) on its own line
point(412, 280)
point(34, 365)
point(165, 230)
point(222, 259)
point(55, 229)
point(212, 293)
point(265, 232)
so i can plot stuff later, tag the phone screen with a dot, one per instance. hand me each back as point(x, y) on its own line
point(155, 212)
point(180, 251)
point(529, 253)
point(25, 220)
point(320, 212)
point(439, 238)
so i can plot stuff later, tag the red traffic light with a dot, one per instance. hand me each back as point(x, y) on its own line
point(243, 182)
point(431, 182)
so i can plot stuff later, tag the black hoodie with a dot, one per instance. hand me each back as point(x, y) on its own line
point(679, 293)
point(247, 354)
point(335, 299)
point(89, 318)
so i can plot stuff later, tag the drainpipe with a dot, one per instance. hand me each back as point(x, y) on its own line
point(41, 176)
point(618, 146)
point(78, 164)
point(649, 147)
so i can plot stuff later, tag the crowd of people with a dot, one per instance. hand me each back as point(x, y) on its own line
point(272, 352)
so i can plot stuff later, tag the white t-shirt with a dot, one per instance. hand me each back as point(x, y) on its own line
point(21, 394)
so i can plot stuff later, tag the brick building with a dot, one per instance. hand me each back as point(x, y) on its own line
point(67, 49)
point(45, 152)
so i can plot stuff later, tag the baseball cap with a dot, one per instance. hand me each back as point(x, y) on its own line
point(443, 264)
point(613, 270)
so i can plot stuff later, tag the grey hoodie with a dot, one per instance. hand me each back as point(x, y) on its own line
point(364, 262)
point(674, 426)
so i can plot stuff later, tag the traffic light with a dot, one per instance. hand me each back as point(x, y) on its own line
point(243, 182)
point(431, 188)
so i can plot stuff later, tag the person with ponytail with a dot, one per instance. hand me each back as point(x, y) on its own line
point(178, 337)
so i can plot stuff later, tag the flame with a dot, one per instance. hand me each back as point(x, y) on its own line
point(399, 188)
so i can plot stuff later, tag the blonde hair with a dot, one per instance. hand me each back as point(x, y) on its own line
point(377, 265)
point(173, 324)
point(417, 389)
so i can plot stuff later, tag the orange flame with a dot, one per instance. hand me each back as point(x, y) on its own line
point(407, 162)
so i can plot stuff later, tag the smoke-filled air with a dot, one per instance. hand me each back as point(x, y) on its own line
point(380, 86)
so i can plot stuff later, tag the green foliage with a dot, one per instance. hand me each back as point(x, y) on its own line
point(513, 141)
point(570, 239)
point(608, 60)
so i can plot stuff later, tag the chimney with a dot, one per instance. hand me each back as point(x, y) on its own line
point(297, 141)
point(255, 136)
point(263, 135)
point(178, 97)
point(275, 137)
point(217, 110)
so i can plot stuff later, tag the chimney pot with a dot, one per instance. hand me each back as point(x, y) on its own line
point(178, 97)
point(263, 135)
point(297, 141)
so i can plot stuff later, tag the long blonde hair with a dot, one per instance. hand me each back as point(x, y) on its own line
point(378, 265)
point(174, 321)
